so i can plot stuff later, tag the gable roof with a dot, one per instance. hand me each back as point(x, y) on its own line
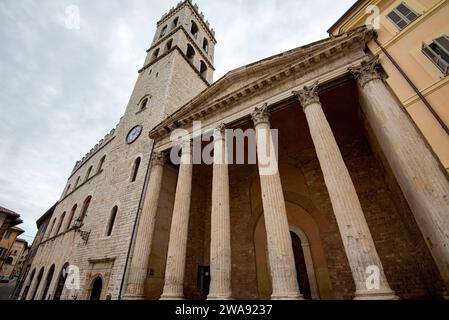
point(246, 80)
point(347, 14)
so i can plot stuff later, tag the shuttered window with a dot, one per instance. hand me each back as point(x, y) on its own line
point(402, 16)
point(438, 52)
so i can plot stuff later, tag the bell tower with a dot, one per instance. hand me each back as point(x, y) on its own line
point(177, 67)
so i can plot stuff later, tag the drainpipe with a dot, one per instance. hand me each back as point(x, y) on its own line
point(409, 81)
point(139, 209)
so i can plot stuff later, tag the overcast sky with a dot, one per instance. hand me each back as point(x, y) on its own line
point(63, 89)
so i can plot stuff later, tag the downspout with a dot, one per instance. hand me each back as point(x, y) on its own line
point(409, 81)
point(139, 209)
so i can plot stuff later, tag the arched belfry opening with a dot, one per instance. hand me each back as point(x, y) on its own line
point(190, 53)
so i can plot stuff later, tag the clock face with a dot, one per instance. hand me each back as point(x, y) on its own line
point(133, 134)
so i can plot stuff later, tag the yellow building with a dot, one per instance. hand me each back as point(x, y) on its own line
point(413, 48)
point(6, 244)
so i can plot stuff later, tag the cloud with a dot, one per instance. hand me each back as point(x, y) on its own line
point(62, 90)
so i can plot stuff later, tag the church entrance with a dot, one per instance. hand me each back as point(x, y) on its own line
point(96, 289)
point(301, 269)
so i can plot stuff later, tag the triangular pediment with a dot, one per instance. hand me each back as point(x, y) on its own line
point(248, 79)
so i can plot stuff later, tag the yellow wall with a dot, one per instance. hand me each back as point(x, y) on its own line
point(8, 243)
point(405, 47)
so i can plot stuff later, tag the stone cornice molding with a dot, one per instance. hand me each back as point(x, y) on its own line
point(367, 71)
point(159, 158)
point(308, 95)
point(261, 115)
point(335, 46)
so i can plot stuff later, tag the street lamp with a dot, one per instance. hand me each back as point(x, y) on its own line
point(84, 234)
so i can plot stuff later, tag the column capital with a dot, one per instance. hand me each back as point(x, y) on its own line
point(219, 131)
point(261, 115)
point(308, 95)
point(159, 158)
point(367, 71)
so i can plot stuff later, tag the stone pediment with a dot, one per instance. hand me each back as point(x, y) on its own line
point(249, 79)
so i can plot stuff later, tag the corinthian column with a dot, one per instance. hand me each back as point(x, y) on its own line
point(280, 251)
point(145, 230)
point(358, 243)
point(220, 241)
point(177, 246)
point(422, 180)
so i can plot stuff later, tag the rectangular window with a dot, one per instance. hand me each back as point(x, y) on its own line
point(3, 252)
point(402, 16)
point(438, 52)
point(7, 234)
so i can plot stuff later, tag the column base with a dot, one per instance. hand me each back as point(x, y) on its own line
point(134, 297)
point(287, 296)
point(219, 297)
point(375, 295)
point(170, 296)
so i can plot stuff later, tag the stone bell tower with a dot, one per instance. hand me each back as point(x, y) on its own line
point(178, 65)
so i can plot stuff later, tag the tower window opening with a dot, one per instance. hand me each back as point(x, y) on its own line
point(164, 30)
point(206, 45)
point(156, 54)
point(111, 221)
point(175, 22)
point(169, 44)
point(194, 29)
point(85, 209)
point(144, 104)
point(190, 52)
point(135, 170)
point(203, 69)
point(88, 173)
point(100, 166)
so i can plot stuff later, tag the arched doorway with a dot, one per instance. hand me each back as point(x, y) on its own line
point(48, 282)
point(301, 268)
point(97, 287)
point(61, 281)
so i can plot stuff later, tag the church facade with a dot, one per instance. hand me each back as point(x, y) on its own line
point(354, 204)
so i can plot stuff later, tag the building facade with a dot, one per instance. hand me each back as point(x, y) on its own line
point(17, 254)
point(354, 192)
point(8, 250)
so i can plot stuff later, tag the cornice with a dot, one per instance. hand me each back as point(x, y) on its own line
point(336, 45)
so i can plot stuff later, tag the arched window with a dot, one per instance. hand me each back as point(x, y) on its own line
point(135, 170)
point(194, 29)
point(88, 173)
point(61, 220)
point(111, 221)
point(47, 282)
point(100, 166)
point(27, 287)
point(61, 281)
point(205, 45)
point(37, 284)
point(190, 52)
point(72, 214)
point(164, 30)
point(76, 183)
point(51, 228)
point(68, 189)
point(86, 204)
point(143, 104)
point(156, 54)
point(203, 69)
point(175, 22)
point(169, 44)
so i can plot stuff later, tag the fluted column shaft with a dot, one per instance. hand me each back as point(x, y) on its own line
point(220, 242)
point(354, 231)
point(177, 246)
point(422, 180)
point(280, 251)
point(142, 247)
